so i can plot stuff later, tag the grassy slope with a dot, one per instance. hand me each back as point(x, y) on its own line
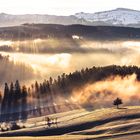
point(81, 124)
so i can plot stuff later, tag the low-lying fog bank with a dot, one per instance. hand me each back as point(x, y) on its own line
point(51, 57)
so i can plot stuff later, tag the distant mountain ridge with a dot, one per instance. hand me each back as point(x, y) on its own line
point(15, 20)
point(117, 17)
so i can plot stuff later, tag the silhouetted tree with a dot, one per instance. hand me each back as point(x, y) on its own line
point(117, 102)
point(17, 89)
point(41, 89)
point(11, 94)
point(4, 106)
point(29, 92)
point(0, 96)
point(17, 96)
point(51, 81)
point(6, 91)
point(11, 88)
point(36, 87)
point(24, 94)
point(44, 86)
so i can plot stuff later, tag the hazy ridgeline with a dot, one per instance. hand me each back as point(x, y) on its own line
point(73, 44)
point(96, 87)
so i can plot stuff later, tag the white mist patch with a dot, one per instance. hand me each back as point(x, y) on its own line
point(108, 45)
point(59, 59)
point(5, 43)
point(53, 64)
point(134, 45)
point(43, 64)
point(76, 37)
point(38, 40)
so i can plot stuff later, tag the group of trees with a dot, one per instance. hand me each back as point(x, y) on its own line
point(15, 97)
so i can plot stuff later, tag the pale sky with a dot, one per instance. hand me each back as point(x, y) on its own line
point(64, 7)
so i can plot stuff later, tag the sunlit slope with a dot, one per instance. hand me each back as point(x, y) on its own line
point(80, 124)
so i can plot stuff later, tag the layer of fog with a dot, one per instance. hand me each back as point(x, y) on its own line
point(103, 93)
point(70, 57)
point(11, 71)
point(65, 45)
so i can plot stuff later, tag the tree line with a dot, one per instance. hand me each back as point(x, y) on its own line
point(17, 98)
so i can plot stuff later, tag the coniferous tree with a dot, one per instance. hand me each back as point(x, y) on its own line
point(29, 92)
point(24, 105)
point(45, 86)
point(11, 88)
point(0, 96)
point(36, 87)
point(4, 107)
point(17, 96)
point(48, 86)
point(6, 90)
point(17, 90)
point(51, 81)
point(11, 94)
point(41, 89)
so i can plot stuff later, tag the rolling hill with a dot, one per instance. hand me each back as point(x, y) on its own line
point(34, 31)
point(89, 124)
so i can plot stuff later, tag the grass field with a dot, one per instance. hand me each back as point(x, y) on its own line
point(101, 124)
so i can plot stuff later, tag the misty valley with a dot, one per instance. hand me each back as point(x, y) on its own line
point(54, 70)
point(43, 58)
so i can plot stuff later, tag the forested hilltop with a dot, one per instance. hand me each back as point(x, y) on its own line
point(50, 92)
point(44, 31)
